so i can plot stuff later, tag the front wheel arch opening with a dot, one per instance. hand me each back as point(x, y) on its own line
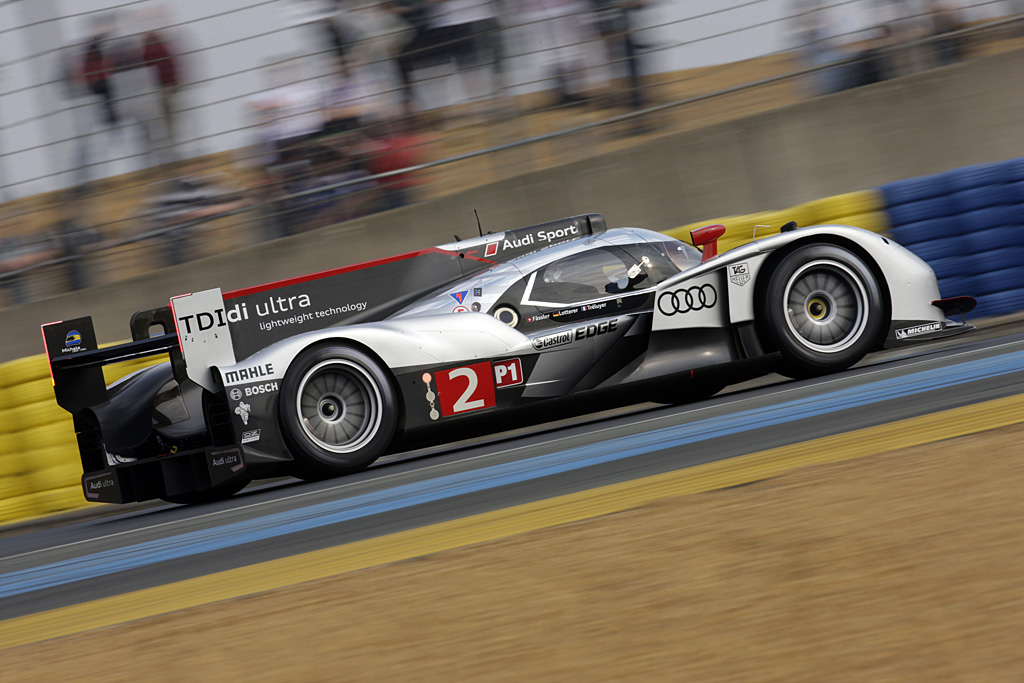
point(768, 267)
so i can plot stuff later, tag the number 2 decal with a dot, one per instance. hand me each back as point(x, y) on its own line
point(465, 389)
point(466, 402)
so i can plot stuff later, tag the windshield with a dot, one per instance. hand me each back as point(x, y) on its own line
point(682, 255)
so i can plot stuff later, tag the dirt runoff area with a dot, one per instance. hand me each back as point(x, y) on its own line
point(905, 566)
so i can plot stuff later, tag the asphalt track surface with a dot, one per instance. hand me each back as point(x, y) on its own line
point(144, 548)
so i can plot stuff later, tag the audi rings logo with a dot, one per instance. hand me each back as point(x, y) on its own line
point(689, 299)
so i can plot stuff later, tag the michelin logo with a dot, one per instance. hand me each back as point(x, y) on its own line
point(918, 330)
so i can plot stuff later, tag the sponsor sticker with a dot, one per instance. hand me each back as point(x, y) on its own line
point(918, 330)
point(460, 309)
point(491, 249)
point(250, 436)
point(274, 307)
point(550, 341)
point(72, 342)
point(257, 389)
point(508, 373)
point(228, 460)
point(739, 274)
point(478, 291)
point(242, 411)
point(236, 394)
point(688, 299)
point(588, 331)
point(247, 374)
point(459, 296)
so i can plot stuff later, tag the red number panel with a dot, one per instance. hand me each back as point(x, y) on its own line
point(464, 389)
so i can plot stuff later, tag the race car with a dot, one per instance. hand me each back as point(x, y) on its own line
point(320, 375)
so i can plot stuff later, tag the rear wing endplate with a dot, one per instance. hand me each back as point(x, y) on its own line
point(76, 361)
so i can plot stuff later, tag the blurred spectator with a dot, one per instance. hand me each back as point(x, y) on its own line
point(909, 27)
point(392, 147)
point(179, 204)
point(346, 100)
point(139, 107)
point(97, 67)
point(73, 239)
point(872, 65)
point(467, 33)
point(557, 26)
point(616, 24)
point(945, 20)
point(329, 192)
point(159, 55)
point(820, 49)
point(21, 248)
point(79, 102)
point(421, 51)
point(288, 112)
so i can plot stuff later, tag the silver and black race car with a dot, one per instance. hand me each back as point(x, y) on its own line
point(320, 375)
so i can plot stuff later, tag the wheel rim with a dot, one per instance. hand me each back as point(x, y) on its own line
point(826, 306)
point(338, 405)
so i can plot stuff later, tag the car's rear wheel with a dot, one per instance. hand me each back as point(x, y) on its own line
point(338, 411)
point(822, 310)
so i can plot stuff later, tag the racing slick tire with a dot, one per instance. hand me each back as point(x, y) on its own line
point(338, 411)
point(822, 310)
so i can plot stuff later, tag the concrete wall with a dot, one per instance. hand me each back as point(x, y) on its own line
point(932, 122)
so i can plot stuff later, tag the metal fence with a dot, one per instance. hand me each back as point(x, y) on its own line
point(101, 230)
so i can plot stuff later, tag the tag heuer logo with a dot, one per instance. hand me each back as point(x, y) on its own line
point(739, 274)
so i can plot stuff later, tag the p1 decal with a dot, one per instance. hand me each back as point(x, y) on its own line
point(508, 373)
point(462, 390)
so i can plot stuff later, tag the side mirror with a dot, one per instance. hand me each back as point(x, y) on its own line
point(706, 239)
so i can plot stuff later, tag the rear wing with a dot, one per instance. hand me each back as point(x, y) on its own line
point(76, 361)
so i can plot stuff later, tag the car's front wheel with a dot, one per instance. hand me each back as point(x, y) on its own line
point(338, 411)
point(822, 310)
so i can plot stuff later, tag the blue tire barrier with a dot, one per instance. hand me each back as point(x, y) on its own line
point(979, 175)
point(1013, 170)
point(988, 218)
point(984, 197)
point(924, 231)
point(996, 238)
point(936, 249)
point(922, 210)
point(999, 280)
point(968, 224)
point(1016, 192)
point(985, 261)
point(915, 189)
point(1000, 303)
point(957, 286)
point(952, 266)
